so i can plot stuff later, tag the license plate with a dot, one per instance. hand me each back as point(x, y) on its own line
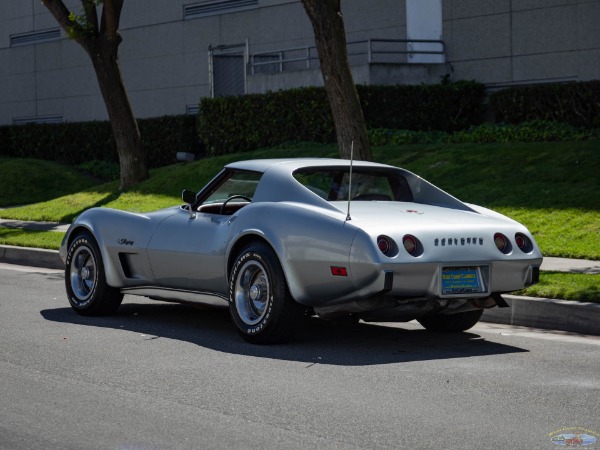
point(461, 280)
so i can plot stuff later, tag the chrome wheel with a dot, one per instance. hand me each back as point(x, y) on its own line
point(83, 274)
point(260, 303)
point(85, 280)
point(251, 292)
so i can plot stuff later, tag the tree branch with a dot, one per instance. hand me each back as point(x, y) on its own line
point(91, 15)
point(111, 14)
point(60, 12)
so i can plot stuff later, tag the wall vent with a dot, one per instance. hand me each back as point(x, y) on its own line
point(212, 7)
point(34, 37)
point(192, 109)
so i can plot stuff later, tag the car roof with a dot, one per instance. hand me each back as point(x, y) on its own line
point(292, 164)
point(277, 184)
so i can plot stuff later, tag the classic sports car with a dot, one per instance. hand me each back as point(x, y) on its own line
point(278, 239)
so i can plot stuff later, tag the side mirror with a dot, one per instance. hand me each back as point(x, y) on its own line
point(189, 197)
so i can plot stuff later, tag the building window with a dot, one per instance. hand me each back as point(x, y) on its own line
point(34, 37)
point(212, 7)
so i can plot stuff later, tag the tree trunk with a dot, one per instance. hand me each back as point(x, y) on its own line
point(101, 42)
point(330, 38)
point(132, 158)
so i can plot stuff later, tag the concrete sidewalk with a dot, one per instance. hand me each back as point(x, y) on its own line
point(551, 264)
point(563, 315)
point(37, 226)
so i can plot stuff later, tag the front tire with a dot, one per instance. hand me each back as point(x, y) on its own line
point(451, 323)
point(259, 300)
point(85, 280)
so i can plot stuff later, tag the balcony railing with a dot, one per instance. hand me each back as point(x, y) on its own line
point(370, 51)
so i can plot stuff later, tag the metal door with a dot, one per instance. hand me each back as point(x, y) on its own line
point(227, 69)
point(424, 22)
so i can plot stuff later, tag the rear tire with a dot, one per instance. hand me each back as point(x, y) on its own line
point(85, 280)
point(451, 323)
point(259, 300)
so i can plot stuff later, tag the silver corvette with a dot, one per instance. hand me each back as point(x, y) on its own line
point(276, 240)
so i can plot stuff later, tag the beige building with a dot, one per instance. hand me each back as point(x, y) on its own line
point(175, 52)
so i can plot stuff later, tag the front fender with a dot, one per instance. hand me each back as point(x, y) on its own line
point(118, 233)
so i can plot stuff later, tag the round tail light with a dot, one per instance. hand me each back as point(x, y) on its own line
point(410, 244)
point(502, 243)
point(523, 243)
point(384, 245)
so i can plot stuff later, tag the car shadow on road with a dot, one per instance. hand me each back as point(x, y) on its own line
point(318, 341)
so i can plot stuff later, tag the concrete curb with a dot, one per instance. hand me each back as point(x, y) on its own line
point(562, 315)
point(34, 257)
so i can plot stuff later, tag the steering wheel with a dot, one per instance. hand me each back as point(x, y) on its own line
point(233, 197)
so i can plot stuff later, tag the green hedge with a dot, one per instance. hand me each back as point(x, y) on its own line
point(234, 124)
point(577, 104)
point(76, 143)
point(448, 112)
point(70, 143)
point(164, 136)
point(248, 122)
point(445, 107)
point(535, 131)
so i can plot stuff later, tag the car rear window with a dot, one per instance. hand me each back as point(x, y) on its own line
point(367, 184)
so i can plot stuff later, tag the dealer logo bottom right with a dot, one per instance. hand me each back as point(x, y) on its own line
point(574, 437)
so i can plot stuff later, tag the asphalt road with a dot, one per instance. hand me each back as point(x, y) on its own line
point(165, 376)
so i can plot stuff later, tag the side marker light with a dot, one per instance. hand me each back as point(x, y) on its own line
point(339, 271)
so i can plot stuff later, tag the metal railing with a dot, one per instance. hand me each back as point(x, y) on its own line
point(370, 51)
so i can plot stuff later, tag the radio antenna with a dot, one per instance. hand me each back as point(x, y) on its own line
point(350, 179)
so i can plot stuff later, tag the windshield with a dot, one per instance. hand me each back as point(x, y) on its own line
point(367, 184)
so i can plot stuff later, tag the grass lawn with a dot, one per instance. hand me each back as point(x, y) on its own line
point(552, 188)
point(30, 238)
point(25, 181)
point(566, 286)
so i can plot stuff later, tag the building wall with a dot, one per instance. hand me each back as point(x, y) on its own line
point(164, 58)
point(502, 42)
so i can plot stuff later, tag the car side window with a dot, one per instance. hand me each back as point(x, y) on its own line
point(239, 183)
point(236, 191)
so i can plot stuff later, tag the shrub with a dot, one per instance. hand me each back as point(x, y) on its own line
point(384, 136)
point(233, 124)
point(576, 104)
point(248, 122)
point(535, 131)
point(164, 136)
point(442, 107)
point(105, 170)
point(80, 142)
